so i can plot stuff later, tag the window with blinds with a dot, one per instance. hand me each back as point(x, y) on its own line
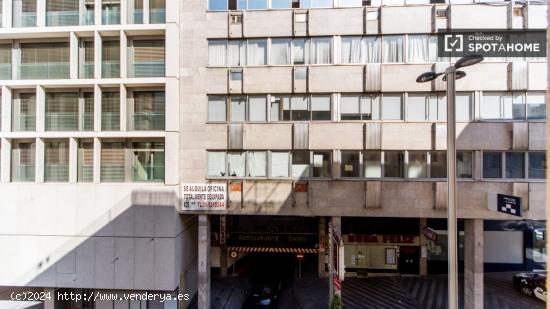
point(148, 58)
point(61, 111)
point(44, 60)
point(85, 161)
point(149, 107)
point(24, 112)
point(86, 59)
point(110, 111)
point(148, 161)
point(56, 161)
point(89, 13)
point(5, 60)
point(157, 11)
point(135, 10)
point(62, 12)
point(24, 13)
point(110, 12)
point(86, 111)
point(23, 161)
point(113, 161)
point(110, 64)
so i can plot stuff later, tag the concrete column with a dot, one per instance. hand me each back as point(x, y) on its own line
point(123, 12)
point(423, 248)
point(204, 262)
point(171, 157)
point(98, 43)
point(146, 10)
point(123, 54)
point(97, 108)
point(97, 160)
point(15, 59)
point(73, 55)
point(5, 160)
point(41, 13)
point(473, 263)
point(97, 11)
point(7, 9)
point(39, 160)
point(6, 108)
point(172, 104)
point(322, 242)
point(123, 109)
point(40, 109)
point(172, 14)
point(73, 160)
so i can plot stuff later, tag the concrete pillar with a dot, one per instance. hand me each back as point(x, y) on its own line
point(171, 158)
point(39, 160)
point(73, 160)
point(322, 253)
point(73, 55)
point(7, 14)
point(97, 12)
point(5, 160)
point(97, 108)
point(40, 109)
point(98, 44)
point(124, 55)
point(123, 108)
point(146, 10)
point(97, 160)
point(423, 248)
point(41, 13)
point(6, 108)
point(204, 262)
point(473, 263)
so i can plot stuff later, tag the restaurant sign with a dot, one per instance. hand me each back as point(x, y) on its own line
point(381, 239)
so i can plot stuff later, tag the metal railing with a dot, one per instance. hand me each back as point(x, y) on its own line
point(24, 19)
point(110, 17)
point(110, 69)
point(25, 172)
point(65, 18)
point(87, 70)
point(112, 173)
point(24, 122)
point(149, 69)
point(110, 121)
point(85, 173)
point(88, 18)
point(148, 173)
point(61, 121)
point(5, 70)
point(157, 16)
point(51, 70)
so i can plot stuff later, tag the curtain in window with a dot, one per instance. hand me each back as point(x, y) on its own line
point(393, 48)
point(148, 58)
point(418, 48)
point(86, 161)
point(257, 163)
point(217, 108)
point(351, 50)
point(61, 111)
point(301, 56)
point(56, 157)
point(216, 164)
point(23, 161)
point(110, 65)
point(257, 52)
point(257, 110)
point(320, 50)
point(113, 161)
point(216, 53)
point(236, 53)
point(280, 51)
point(279, 164)
point(371, 49)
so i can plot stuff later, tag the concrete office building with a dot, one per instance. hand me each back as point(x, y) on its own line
point(307, 110)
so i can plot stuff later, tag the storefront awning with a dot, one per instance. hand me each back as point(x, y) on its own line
point(273, 249)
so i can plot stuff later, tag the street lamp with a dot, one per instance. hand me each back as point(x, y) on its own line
point(450, 75)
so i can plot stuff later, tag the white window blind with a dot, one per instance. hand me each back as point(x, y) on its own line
point(148, 58)
point(216, 53)
point(393, 48)
point(216, 164)
point(217, 110)
point(280, 51)
point(236, 53)
point(44, 60)
point(257, 109)
point(85, 161)
point(113, 162)
point(257, 52)
point(61, 111)
point(279, 164)
point(56, 156)
point(257, 163)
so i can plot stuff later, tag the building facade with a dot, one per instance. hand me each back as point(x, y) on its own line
point(308, 111)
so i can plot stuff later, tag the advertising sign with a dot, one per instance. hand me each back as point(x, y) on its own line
point(509, 204)
point(204, 196)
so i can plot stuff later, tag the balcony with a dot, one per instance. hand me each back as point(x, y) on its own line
point(24, 172)
point(61, 121)
point(64, 18)
point(56, 172)
point(149, 121)
point(52, 70)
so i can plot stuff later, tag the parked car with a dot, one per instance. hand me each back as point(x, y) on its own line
point(263, 296)
point(532, 284)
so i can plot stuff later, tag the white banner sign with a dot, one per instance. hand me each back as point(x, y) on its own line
point(204, 196)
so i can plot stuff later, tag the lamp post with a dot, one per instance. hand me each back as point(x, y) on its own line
point(450, 75)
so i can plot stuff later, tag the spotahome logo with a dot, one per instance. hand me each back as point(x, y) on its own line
point(491, 43)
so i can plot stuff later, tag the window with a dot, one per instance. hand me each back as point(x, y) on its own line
point(438, 164)
point(351, 3)
point(299, 51)
point(56, 156)
point(300, 164)
point(301, 108)
point(23, 160)
point(148, 110)
point(464, 164)
point(86, 59)
point(320, 50)
point(320, 108)
point(257, 109)
point(157, 11)
point(236, 164)
point(418, 164)
point(426, 107)
point(24, 112)
point(62, 12)
point(281, 4)
point(257, 52)
point(62, 111)
point(86, 111)
point(216, 52)
point(147, 58)
point(110, 110)
point(372, 161)
point(280, 162)
point(422, 48)
point(85, 161)
point(238, 109)
point(236, 53)
point(392, 107)
point(492, 165)
point(257, 163)
point(110, 12)
point(217, 109)
point(537, 165)
point(280, 51)
point(148, 162)
point(251, 4)
point(24, 13)
point(392, 48)
point(463, 102)
point(136, 11)
point(110, 64)
point(536, 105)
point(515, 165)
point(502, 106)
point(216, 164)
point(44, 60)
point(113, 161)
point(350, 164)
point(322, 164)
point(361, 49)
point(217, 5)
point(5, 60)
point(89, 12)
point(393, 164)
point(315, 4)
point(360, 107)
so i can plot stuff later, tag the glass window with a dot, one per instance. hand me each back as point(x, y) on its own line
point(319, 51)
point(89, 13)
point(300, 164)
point(23, 160)
point(217, 109)
point(418, 164)
point(5, 60)
point(422, 48)
point(61, 111)
point(513, 106)
point(464, 164)
point(238, 108)
point(490, 107)
point(148, 109)
point(351, 49)
point(148, 164)
point(251, 4)
point(257, 52)
point(86, 59)
point(217, 5)
point(216, 53)
point(315, 3)
point(502, 106)
point(279, 164)
point(438, 164)
point(320, 108)
point(321, 164)
point(350, 164)
point(257, 109)
point(135, 7)
point(392, 106)
point(85, 161)
point(349, 107)
point(537, 165)
point(257, 163)
point(492, 165)
point(24, 13)
point(110, 110)
point(157, 11)
point(216, 164)
point(44, 60)
point(280, 51)
point(515, 165)
point(463, 107)
point(276, 109)
point(372, 49)
point(62, 12)
point(416, 107)
point(281, 4)
point(24, 112)
point(110, 12)
point(235, 164)
point(536, 105)
point(393, 164)
point(300, 108)
point(393, 48)
point(110, 64)
point(373, 164)
point(370, 106)
point(148, 58)
point(299, 51)
point(350, 3)
point(113, 162)
point(56, 161)
point(236, 53)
